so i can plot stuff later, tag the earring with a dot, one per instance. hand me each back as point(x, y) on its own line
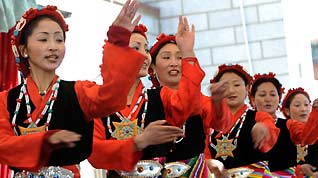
point(25, 55)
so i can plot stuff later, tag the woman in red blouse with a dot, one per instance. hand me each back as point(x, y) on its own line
point(265, 95)
point(146, 110)
point(251, 133)
point(297, 105)
point(46, 121)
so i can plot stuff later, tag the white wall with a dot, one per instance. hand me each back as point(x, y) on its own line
point(301, 27)
point(88, 25)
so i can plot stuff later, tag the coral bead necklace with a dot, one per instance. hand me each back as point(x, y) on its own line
point(32, 128)
point(226, 146)
point(128, 128)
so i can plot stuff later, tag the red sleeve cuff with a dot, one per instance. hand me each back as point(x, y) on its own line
point(222, 116)
point(118, 36)
point(194, 73)
point(134, 155)
point(271, 139)
point(46, 150)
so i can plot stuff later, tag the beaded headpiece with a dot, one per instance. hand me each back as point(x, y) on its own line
point(162, 39)
point(141, 29)
point(231, 67)
point(267, 77)
point(18, 29)
point(293, 92)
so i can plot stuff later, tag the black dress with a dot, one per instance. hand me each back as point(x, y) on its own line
point(244, 153)
point(67, 115)
point(284, 153)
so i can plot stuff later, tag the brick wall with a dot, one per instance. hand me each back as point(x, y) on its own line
point(220, 33)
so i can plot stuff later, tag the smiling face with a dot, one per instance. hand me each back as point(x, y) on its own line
point(140, 44)
point(299, 108)
point(168, 65)
point(266, 98)
point(237, 89)
point(45, 46)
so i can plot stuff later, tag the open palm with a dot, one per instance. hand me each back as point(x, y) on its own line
point(127, 14)
point(185, 37)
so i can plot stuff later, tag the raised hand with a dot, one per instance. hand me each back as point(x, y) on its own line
point(259, 134)
point(219, 91)
point(157, 133)
point(126, 16)
point(64, 138)
point(185, 37)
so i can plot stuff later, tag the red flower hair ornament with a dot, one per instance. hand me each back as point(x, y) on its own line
point(291, 92)
point(162, 39)
point(231, 67)
point(269, 75)
point(258, 77)
point(141, 29)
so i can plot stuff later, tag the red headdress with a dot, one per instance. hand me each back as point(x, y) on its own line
point(18, 29)
point(162, 39)
point(141, 29)
point(231, 67)
point(292, 92)
point(270, 77)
